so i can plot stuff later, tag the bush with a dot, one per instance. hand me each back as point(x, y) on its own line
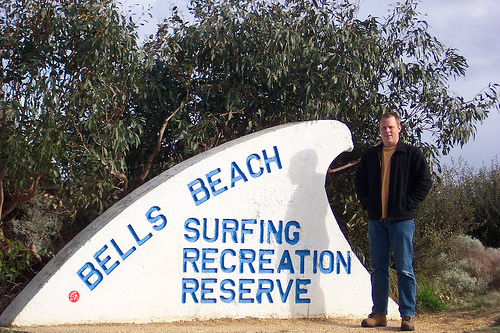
point(447, 211)
point(40, 224)
point(14, 259)
point(471, 267)
point(463, 201)
point(31, 242)
point(486, 199)
point(17, 267)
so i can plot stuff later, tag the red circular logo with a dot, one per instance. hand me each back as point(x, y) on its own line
point(74, 296)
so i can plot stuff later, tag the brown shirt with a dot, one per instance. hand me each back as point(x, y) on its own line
point(386, 176)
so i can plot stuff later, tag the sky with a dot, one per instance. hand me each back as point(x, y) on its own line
point(470, 26)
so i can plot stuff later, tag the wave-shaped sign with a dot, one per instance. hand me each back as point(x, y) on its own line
point(244, 229)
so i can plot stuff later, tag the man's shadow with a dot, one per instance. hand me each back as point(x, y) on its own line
point(308, 206)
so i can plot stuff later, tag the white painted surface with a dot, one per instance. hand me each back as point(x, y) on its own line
point(144, 281)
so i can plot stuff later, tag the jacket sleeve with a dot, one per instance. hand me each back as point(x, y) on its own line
point(422, 180)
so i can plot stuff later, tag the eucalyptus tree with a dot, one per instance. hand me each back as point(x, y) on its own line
point(67, 73)
point(241, 66)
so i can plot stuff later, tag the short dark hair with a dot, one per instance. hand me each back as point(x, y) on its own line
point(391, 114)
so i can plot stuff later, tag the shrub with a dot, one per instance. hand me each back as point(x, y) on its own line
point(14, 259)
point(463, 201)
point(18, 265)
point(471, 267)
point(486, 199)
point(40, 224)
point(462, 281)
point(29, 245)
point(447, 211)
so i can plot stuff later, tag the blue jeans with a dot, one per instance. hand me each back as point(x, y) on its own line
point(397, 236)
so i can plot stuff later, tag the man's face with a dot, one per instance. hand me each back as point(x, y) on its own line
point(389, 130)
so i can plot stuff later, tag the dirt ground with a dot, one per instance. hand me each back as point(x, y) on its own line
point(443, 322)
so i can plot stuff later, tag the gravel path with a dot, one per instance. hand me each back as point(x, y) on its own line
point(456, 322)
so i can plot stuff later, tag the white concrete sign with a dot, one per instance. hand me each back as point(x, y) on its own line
point(244, 229)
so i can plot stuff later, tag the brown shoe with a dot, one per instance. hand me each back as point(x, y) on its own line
point(374, 320)
point(407, 324)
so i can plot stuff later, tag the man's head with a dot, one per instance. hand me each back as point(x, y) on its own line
point(390, 126)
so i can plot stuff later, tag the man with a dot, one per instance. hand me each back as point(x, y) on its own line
point(391, 181)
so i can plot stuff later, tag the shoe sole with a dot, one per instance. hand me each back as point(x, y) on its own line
point(379, 325)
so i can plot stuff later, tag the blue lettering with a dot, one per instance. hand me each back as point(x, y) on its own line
point(202, 189)
point(102, 262)
point(249, 166)
point(231, 230)
point(285, 263)
point(93, 272)
point(227, 291)
point(201, 192)
point(137, 239)
point(315, 262)
point(275, 158)
point(236, 169)
point(265, 287)
point(216, 231)
point(264, 290)
point(196, 235)
point(284, 295)
point(263, 261)
point(247, 260)
point(222, 261)
point(295, 239)
point(299, 291)
point(302, 254)
point(245, 231)
point(205, 260)
point(329, 268)
point(243, 291)
point(205, 291)
point(154, 219)
point(122, 255)
point(272, 230)
point(186, 258)
point(94, 276)
point(186, 289)
point(341, 260)
point(213, 183)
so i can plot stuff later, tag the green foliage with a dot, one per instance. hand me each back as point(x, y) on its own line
point(458, 204)
point(450, 266)
point(247, 65)
point(14, 259)
point(75, 87)
point(68, 72)
point(447, 211)
point(463, 201)
point(242, 66)
point(470, 267)
point(41, 223)
point(485, 194)
point(428, 299)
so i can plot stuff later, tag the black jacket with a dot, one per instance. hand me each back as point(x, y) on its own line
point(410, 182)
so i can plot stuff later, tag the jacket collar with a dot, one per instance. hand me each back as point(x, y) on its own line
point(401, 146)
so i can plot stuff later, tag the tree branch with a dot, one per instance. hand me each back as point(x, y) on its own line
point(2, 176)
point(155, 153)
point(348, 165)
point(20, 197)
